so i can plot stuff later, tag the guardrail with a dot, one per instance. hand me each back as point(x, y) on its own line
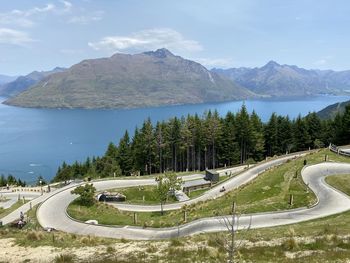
point(30, 189)
point(337, 150)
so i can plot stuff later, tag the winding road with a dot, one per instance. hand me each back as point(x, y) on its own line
point(52, 211)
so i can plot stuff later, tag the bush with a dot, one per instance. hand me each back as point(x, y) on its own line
point(64, 258)
point(86, 194)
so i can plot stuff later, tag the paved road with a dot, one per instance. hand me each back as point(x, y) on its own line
point(26, 207)
point(52, 213)
point(213, 193)
point(14, 197)
point(105, 185)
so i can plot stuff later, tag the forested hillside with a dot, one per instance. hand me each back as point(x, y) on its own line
point(210, 141)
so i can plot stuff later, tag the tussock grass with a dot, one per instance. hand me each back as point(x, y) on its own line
point(64, 258)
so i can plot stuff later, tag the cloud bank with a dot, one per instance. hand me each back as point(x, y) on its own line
point(149, 39)
point(14, 37)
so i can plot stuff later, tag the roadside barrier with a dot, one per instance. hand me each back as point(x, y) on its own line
point(337, 150)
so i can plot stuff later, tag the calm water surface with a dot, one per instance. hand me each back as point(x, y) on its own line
point(34, 142)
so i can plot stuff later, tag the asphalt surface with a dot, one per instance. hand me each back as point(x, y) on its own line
point(13, 197)
point(35, 201)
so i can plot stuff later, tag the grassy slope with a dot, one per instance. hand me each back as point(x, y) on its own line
point(134, 195)
point(341, 182)
point(5, 212)
point(269, 192)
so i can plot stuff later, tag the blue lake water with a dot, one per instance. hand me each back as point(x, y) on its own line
point(34, 142)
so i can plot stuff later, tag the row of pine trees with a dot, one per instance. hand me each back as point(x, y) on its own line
point(208, 142)
point(10, 180)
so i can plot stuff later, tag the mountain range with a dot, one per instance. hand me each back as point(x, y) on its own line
point(275, 80)
point(22, 83)
point(6, 79)
point(159, 77)
point(123, 81)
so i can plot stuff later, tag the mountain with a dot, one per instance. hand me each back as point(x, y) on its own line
point(330, 111)
point(123, 81)
point(275, 80)
point(24, 82)
point(6, 79)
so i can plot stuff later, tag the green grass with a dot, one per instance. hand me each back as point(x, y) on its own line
point(147, 176)
point(141, 195)
point(269, 192)
point(32, 235)
point(341, 182)
point(5, 212)
point(196, 193)
point(108, 215)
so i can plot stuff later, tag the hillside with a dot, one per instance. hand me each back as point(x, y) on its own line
point(330, 111)
point(22, 83)
point(6, 79)
point(277, 80)
point(123, 81)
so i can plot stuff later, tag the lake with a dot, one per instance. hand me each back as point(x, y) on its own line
point(35, 142)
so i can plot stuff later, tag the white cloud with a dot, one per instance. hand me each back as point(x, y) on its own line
point(9, 19)
point(149, 39)
point(34, 10)
point(323, 61)
point(27, 18)
point(86, 19)
point(215, 62)
point(67, 5)
point(24, 18)
point(14, 37)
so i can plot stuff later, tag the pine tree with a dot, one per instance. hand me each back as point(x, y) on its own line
point(244, 133)
point(148, 145)
point(284, 135)
point(258, 140)
point(301, 136)
point(271, 136)
point(213, 132)
point(125, 155)
point(313, 123)
point(229, 152)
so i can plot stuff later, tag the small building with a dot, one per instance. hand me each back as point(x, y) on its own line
point(212, 176)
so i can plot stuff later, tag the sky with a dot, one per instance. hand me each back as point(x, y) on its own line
point(44, 34)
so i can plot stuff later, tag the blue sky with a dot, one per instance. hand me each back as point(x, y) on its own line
point(43, 34)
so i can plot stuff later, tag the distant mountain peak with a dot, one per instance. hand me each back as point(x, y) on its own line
point(271, 64)
point(160, 53)
point(22, 83)
point(152, 78)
